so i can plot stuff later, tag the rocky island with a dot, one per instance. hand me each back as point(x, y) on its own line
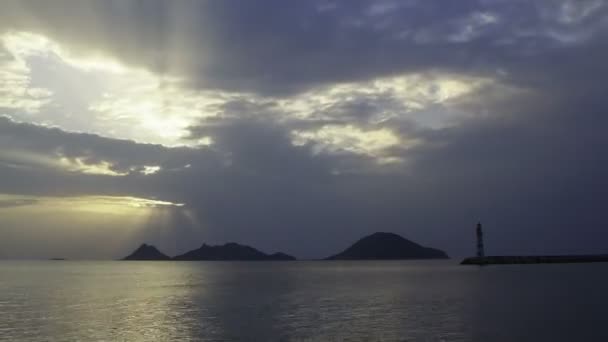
point(146, 252)
point(387, 246)
point(231, 251)
point(228, 252)
point(377, 246)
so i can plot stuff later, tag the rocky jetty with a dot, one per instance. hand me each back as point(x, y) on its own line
point(534, 259)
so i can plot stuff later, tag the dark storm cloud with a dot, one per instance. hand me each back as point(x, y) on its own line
point(534, 174)
point(528, 159)
point(242, 45)
point(90, 149)
point(47, 161)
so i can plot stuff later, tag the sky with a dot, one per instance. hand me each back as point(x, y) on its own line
point(301, 126)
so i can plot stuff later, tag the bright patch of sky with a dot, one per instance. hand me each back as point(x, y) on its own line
point(48, 85)
point(44, 83)
point(84, 202)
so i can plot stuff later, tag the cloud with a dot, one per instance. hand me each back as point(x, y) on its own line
point(10, 203)
point(39, 160)
point(239, 46)
point(108, 203)
point(119, 98)
point(15, 92)
point(350, 139)
point(42, 77)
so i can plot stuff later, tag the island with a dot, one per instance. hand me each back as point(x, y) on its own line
point(232, 252)
point(228, 252)
point(387, 246)
point(377, 246)
point(147, 253)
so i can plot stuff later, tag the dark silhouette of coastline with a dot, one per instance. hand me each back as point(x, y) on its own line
point(227, 252)
point(387, 246)
point(378, 246)
point(233, 252)
point(534, 259)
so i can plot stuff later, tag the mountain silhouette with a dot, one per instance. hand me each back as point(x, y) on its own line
point(387, 246)
point(146, 252)
point(231, 251)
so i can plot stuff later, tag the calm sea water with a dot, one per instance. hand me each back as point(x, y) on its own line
point(301, 301)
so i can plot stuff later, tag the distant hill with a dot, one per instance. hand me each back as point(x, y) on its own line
point(231, 251)
point(387, 246)
point(146, 252)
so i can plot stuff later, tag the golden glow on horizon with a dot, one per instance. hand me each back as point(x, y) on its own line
point(117, 218)
point(113, 222)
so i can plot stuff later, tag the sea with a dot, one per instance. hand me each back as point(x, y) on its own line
point(301, 301)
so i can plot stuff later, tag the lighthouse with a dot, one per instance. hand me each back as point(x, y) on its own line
point(480, 251)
